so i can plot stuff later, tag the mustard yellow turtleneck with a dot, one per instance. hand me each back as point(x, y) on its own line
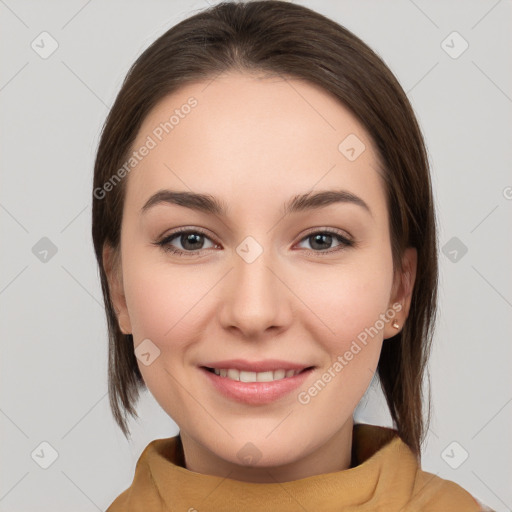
point(384, 476)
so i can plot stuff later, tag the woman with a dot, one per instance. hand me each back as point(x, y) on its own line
point(265, 231)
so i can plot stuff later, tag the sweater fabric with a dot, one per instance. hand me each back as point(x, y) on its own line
point(384, 476)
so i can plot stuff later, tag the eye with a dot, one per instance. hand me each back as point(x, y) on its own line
point(320, 239)
point(191, 241)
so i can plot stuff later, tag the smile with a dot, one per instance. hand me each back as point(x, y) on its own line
point(255, 388)
point(247, 376)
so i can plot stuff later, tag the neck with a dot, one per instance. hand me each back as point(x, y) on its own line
point(334, 455)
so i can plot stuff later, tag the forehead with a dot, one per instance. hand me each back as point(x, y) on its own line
point(246, 139)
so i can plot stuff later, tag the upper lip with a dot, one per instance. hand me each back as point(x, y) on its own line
point(256, 366)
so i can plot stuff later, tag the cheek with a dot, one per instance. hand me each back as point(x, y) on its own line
point(350, 332)
point(165, 306)
point(352, 296)
point(165, 301)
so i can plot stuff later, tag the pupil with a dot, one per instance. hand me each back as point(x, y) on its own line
point(320, 237)
point(190, 238)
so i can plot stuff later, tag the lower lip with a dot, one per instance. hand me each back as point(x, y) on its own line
point(256, 393)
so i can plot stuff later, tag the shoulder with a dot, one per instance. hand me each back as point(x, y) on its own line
point(142, 494)
point(431, 492)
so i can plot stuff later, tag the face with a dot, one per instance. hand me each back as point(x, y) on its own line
point(310, 286)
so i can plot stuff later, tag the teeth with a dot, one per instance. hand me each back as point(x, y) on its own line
point(244, 376)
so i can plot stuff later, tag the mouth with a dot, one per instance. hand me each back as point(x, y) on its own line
point(256, 388)
point(253, 376)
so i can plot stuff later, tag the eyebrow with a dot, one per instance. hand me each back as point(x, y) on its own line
point(210, 204)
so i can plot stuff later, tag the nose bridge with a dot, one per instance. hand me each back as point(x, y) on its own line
point(255, 299)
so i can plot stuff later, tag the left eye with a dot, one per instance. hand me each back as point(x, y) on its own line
point(319, 238)
point(193, 241)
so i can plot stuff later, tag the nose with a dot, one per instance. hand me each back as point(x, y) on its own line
point(255, 300)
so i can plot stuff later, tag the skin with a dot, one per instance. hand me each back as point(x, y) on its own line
point(255, 142)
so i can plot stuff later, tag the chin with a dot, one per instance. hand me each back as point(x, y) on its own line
point(260, 450)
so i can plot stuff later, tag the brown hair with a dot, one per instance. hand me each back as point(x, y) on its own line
point(282, 38)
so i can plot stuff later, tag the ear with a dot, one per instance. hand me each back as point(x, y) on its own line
point(401, 293)
point(113, 270)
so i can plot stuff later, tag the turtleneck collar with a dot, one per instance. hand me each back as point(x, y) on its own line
point(384, 475)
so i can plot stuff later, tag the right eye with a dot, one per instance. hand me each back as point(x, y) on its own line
point(191, 241)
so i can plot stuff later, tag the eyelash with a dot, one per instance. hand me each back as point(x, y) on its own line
point(164, 243)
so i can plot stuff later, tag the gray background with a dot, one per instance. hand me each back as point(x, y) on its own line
point(53, 330)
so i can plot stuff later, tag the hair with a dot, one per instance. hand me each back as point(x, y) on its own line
point(280, 38)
